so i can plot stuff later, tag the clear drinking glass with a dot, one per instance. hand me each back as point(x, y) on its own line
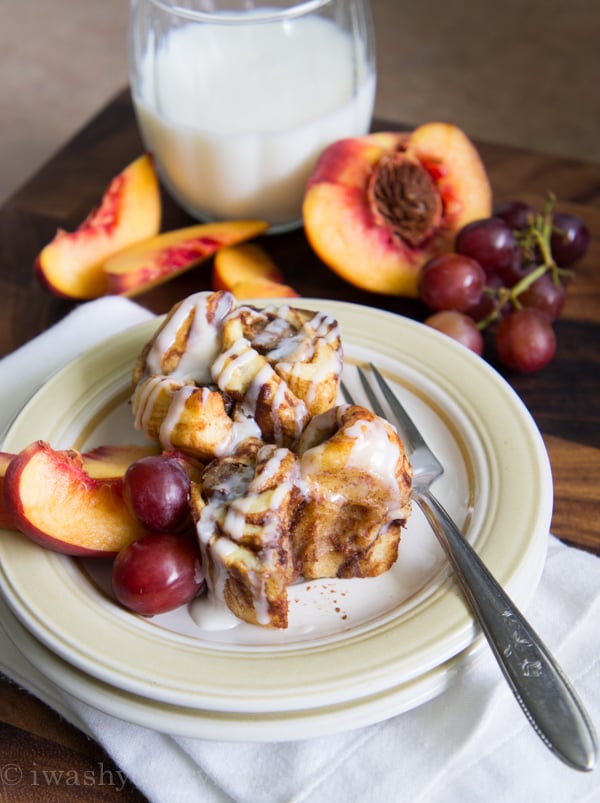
point(236, 98)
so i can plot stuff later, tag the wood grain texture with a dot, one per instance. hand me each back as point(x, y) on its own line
point(564, 399)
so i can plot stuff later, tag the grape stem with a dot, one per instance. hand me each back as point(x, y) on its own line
point(535, 242)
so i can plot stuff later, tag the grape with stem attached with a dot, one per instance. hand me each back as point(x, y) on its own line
point(524, 255)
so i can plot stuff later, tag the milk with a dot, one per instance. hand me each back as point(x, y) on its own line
point(236, 115)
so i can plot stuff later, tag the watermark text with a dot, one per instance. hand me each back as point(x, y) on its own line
point(12, 774)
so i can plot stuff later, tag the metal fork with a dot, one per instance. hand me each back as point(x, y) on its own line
point(539, 685)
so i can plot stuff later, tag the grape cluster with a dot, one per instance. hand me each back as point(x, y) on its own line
point(508, 276)
point(161, 570)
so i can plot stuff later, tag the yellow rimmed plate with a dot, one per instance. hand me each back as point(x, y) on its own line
point(349, 641)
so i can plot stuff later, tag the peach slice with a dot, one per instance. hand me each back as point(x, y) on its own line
point(242, 263)
point(248, 271)
point(377, 207)
point(112, 461)
point(6, 521)
point(53, 500)
point(102, 462)
point(130, 209)
point(262, 288)
point(167, 255)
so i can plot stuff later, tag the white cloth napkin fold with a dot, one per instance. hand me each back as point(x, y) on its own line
point(471, 743)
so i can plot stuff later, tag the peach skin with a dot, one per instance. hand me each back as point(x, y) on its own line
point(130, 210)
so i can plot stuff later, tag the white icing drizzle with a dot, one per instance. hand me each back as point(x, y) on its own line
point(270, 468)
point(204, 338)
point(293, 353)
point(235, 520)
point(274, 330)
point(264, 376)
point(233, 359)
point(325, 326)
point(174, 413)
point(222, 523)
point(276, 402)
point(144, 398)
point(210, 613)
point(243, 428)
point(373, 451)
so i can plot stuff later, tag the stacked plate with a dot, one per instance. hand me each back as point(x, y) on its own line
point(356, 651)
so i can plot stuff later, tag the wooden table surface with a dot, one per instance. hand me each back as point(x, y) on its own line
point(564, 398)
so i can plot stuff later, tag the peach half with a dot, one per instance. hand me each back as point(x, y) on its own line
point(50, 497)
point(377, 207)
point(130, 210)
point(248, 271)
point(160, 258)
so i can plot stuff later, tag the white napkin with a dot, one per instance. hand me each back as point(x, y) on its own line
point(471, 743)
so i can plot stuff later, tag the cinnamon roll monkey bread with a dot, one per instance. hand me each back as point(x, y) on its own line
point(215, 374)
point(292, 485)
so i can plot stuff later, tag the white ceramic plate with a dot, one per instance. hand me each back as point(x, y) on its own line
point(236, 726)
point(348, 641)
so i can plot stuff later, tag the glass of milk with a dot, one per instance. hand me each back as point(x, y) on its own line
point(235, 99)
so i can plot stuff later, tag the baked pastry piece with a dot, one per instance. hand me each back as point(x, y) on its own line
point(215, 374)
point(243, 510)
point(282, 365)
point(267, 516)
point(186, 344)
point(199, 421)
point(290, 485)
point(357, 485)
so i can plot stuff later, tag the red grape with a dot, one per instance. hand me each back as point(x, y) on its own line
point(570, 238)
point(517, 270)
point(517, 215)
point(458, 326)
point(157, 573)
point(488, 301)
point(525, 340)
point(490, 242)
point(156, 490)
point(451, 282)
point(546, 295)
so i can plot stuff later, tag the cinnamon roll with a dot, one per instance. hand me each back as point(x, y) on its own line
point(357, 489)
point(289, 485)
point(196, 420)
point(215, 373)
point(188, 341)
point(267, 516)
point(243, 509)
point(282, 365)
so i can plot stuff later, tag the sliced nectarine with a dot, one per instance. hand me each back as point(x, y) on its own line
point(241, 263)
point(262, 288)
point(102, 462)
point(53, 500)
point(378, 207)
point(6, 521)
point(248, 271)
point(106, 461)
point(160, 258)
point(130, 210)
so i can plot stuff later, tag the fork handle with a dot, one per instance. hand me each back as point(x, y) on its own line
point(539, 685)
